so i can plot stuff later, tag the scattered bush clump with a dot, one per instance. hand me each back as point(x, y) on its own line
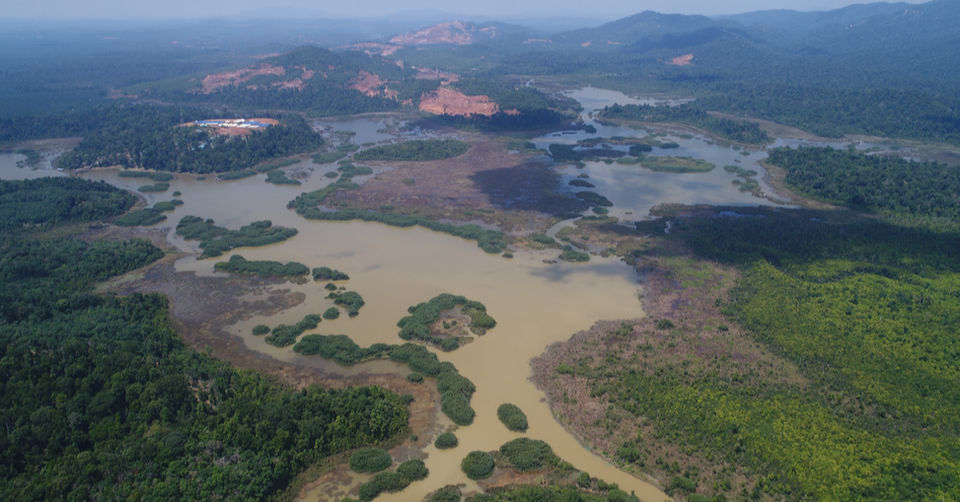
point(528, 454)
point(571, 254)
point(278, 177)
point(477, 465)
point(284, 335)
point(331, 313)
point(264, 268)
point(370, 460)
point(419, 150)
point(512, 417)
point(415, 378)
point(594, 199)
point(261, 329)
point(417, 325)
point(214, 240)
point(146, 174)
point(446, 440)
point(350, 300)
point(414, 470)
point(329, 274)
point(156, 187)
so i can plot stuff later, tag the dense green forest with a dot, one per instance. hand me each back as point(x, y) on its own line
point(43, 202)
point(865, 309)
point(419, 150)
point(151, 137)
point(101, 399)
point(927, 192)
point(743, 132)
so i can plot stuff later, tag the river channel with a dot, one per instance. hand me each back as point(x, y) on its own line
point(535, 303)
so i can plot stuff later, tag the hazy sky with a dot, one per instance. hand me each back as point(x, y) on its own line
point(113, 9)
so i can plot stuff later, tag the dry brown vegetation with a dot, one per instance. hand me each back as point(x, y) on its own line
point(683, 290)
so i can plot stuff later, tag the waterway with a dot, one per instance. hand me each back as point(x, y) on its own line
point(535, 303)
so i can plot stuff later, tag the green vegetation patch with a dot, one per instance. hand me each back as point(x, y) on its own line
point(477, 465)
point(155, 176)
point(146, 410)
point(407, 472)
point(328, 157)
point(349, 300)
point(417, 326)
point(734, 130)
point(285, 335)
point(149, 215)
point(676, 164)
point(156, 187)
point(329, 274)
point(455, 390)
point(260, 329)
point(418, 150)
point(43, 202)
point(594, 199)
point(263, 268)
point(370, 460)
point(572, 255)
point(581, 183)
point(446, 440)
point(236, 175)
point(331, 313)
point(278, 177)
point(528, 454)
point(512, 417)
point(898, 189)
point(490, 241)
point(214, 240)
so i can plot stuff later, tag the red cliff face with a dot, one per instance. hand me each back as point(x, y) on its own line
point(446, 101)
point(454, 32)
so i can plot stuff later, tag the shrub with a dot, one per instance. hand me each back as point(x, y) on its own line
point(328, 274)
point(261, 329)
point(513, 417)
point(370, 460)
point(528, 454)
point(477, 465)
point(383, 482)
point(446, 440)
point(414, 470)
point(331, 313)
point(415, 378)
point(449, 493)
point(682, 483)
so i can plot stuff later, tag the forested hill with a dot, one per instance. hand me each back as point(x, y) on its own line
point(99, 398)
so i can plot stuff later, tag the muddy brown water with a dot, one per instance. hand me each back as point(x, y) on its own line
point(535, 304)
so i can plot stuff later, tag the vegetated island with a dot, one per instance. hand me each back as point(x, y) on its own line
point(237, 264)
point(284, 335)
point(214, 240)
point(675, 164)
point(734, 130)
point(455, 390)
point(439, 322)
point(417, 150)
point(512, 417)
point(129, 425)
point(406, 473)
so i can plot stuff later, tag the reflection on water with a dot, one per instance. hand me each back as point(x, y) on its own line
point(634, 189)
point(10, 171)
point(366, 130)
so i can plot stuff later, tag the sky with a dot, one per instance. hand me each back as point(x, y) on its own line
point(505, 9)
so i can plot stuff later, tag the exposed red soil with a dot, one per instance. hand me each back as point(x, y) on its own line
point(369, 84)
point(454, 32)
point(588, 43)
point(446, 101)
point(445, 78)
point(371, 48)
point(684, 60)
point(232, 78)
